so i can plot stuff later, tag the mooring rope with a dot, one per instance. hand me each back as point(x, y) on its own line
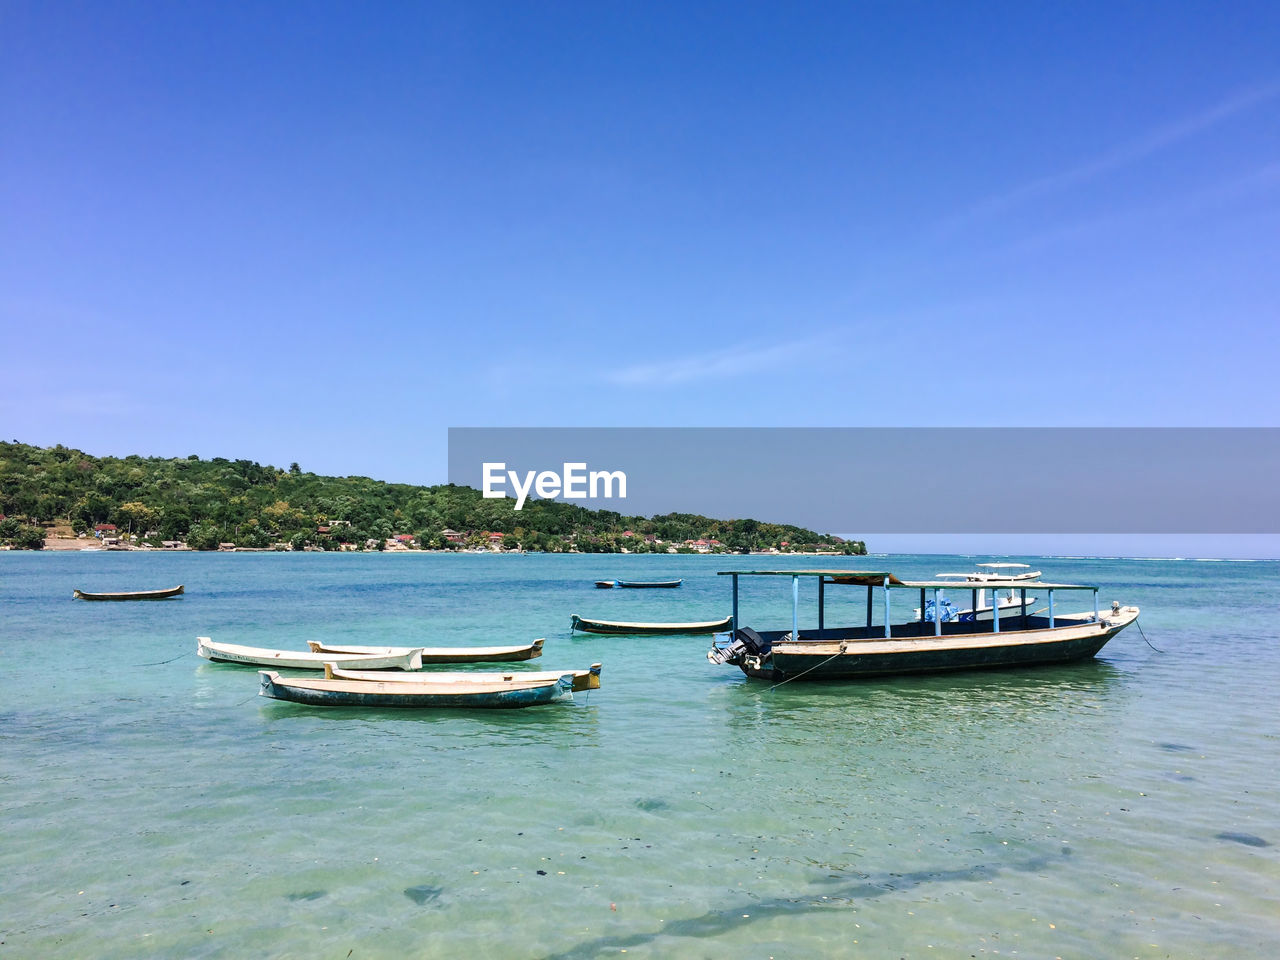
point(160, 662)
point(1144, 637)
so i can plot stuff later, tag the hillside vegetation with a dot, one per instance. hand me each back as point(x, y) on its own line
point(205, 503)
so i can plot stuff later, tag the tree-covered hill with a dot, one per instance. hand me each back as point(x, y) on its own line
point(205, 503)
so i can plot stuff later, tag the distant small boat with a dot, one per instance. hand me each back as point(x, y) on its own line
point(639, 584)
point(134, 595)
point(624, 627)
point(388, 658)
point(582, 679)
point(510, 654)
point(1013, 602)
point(374, 693)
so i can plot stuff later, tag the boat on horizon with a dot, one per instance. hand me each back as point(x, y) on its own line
point(588, 625)
point(916, 646)
point(164, 594)
point(639, 584)
point(1013, 600)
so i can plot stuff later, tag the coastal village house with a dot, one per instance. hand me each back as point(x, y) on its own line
point(703, 546)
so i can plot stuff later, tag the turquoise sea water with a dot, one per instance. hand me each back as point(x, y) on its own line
point(153, 805)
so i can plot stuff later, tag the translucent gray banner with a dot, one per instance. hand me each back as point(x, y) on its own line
point(896, 480)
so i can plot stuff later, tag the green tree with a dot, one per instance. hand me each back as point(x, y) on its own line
point(204, 536)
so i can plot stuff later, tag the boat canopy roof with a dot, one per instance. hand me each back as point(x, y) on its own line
point(872, 578)
point(860, 577)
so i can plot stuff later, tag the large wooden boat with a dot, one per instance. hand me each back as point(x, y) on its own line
point(640, 584)
point(508, 654)
point(388, 659)
point(373, 693)
point(917, 646)
point(588, 679)
point(624, 627)
point(132, 595)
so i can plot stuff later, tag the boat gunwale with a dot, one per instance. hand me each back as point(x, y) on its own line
point(588, 679)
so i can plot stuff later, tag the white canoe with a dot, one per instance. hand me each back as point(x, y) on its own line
point(524, 651)
point(408, 659)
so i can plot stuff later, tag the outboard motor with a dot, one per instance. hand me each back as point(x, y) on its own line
point(743, 642)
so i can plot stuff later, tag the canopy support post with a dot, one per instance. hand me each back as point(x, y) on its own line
point(869, 604)
point(937, 613)
point(795, 608)
point(1095, 604)
point(1051, 608)
point(735, 605)
point(886, 608)
point(935, 597)
point(822, 602)
point(995, 613)
point(1023, 596)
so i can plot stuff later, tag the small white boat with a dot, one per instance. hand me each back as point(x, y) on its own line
point(1013, 601)
point(406, 659)
point(523, 651)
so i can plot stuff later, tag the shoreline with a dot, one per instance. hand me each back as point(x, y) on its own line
point(79, 545)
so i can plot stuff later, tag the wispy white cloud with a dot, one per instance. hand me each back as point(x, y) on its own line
point(736, 360)
point(1226, 194)
point(1146, 145)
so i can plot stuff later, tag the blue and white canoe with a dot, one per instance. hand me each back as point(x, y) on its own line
point(386, 658)
point(426, 694)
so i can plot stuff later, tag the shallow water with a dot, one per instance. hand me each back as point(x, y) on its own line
point(154, 805)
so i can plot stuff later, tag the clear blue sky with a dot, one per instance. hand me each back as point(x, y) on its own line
point(326, 232)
